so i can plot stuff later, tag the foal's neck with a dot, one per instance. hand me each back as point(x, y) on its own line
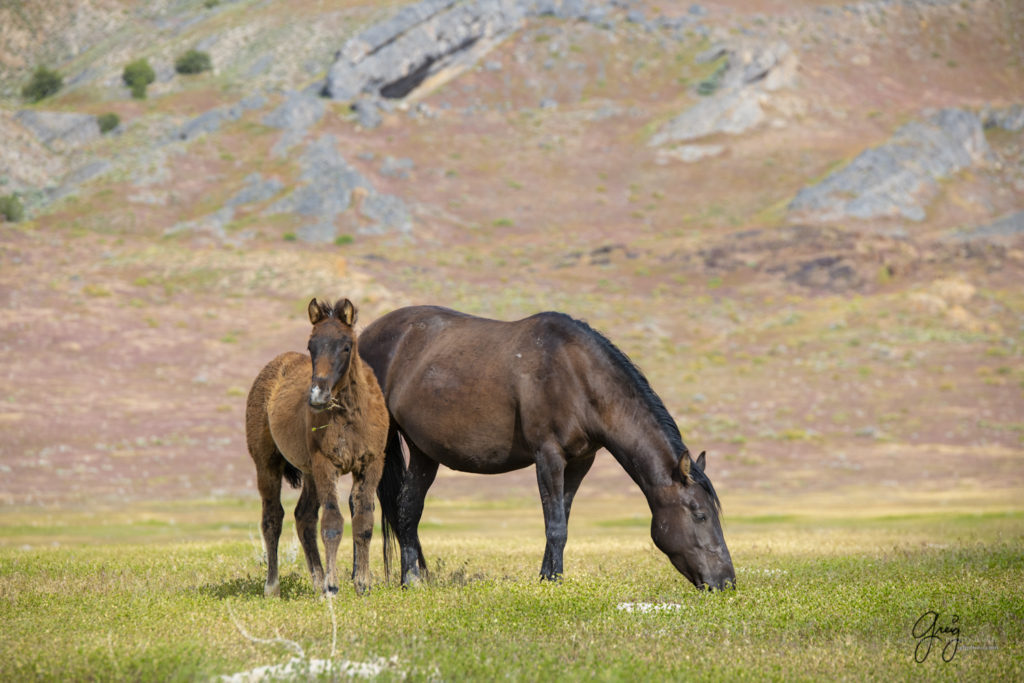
point(346, 401)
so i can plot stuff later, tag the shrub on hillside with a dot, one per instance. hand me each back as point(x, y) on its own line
point(11, 208)
point(45, 82)
point(193, 62)
point(137, 75)
point(108, 121)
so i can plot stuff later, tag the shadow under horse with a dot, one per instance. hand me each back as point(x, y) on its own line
point(486, 397)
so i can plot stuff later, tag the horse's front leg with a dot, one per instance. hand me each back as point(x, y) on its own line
point(418, 478)
point(332, 524)
point(551, 481)
point(364, 486)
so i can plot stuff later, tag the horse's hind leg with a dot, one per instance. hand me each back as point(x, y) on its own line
point(268, 481)
point(332, 524)
point(305, 526)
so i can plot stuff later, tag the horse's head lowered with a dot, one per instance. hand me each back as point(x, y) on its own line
point(331, 346)
point(685, 526)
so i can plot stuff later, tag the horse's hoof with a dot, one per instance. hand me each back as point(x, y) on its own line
point(272, 591)
point(332, 590)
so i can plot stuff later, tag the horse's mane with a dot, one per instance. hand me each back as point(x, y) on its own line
point(650, 399)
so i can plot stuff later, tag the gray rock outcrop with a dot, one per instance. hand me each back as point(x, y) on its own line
point(1010, 226)
point(298, 112)
point(735, 95)
point(392, 58)
point(60, 130)
point(423, 41)
point(210, 121)
point(900, 177)
point(330, 185)
point(1011, 118)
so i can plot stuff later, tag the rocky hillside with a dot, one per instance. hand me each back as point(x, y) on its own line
point(803, 219)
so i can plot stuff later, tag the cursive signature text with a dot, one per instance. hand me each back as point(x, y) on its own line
point(928, 632)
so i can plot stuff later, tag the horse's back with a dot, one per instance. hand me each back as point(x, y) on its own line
point(476, 394)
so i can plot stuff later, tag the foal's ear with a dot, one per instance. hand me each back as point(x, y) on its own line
point(346, 312)
point(316, 314)
point(701, 461)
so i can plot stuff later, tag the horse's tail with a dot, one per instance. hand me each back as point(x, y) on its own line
point(388, 490)
point(292, 474)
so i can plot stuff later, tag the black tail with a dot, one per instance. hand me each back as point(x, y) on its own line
point(292, 475)
point(388, 489)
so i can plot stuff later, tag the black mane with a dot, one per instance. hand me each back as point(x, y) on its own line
point(653, 402)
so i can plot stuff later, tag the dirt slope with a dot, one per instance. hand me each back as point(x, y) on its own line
point(880, 355)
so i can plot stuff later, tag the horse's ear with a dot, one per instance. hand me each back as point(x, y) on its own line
point(316, 314)
point(684, 467)
point(701, 461)
point(346, 312)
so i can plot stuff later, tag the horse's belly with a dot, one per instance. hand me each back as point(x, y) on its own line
point(466, 451)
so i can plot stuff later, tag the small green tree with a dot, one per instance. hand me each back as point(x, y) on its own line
point(108, 121)
point(137, 75)
point(193, 62)
point(11, 208)
point(45, 82)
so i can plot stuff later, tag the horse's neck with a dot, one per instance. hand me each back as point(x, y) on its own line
point(350, 391)
point(635, 439)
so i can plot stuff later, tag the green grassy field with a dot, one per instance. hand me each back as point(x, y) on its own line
point(174, 591)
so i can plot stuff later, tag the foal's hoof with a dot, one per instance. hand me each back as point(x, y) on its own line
point(362, 589)
point(272, 591)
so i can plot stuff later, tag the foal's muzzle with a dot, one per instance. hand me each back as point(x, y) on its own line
point(318, 397)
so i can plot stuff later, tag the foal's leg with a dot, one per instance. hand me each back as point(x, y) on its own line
point(305, 526)
point(364, 486)
point(551, 481)
point(575, 470)
point(268, 481)
point(419, 477)
point(331, 522)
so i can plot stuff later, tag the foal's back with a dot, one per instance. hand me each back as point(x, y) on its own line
point(275, 414)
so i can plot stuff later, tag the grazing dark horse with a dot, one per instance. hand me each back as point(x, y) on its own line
point(485, 396)
point(312, 432)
